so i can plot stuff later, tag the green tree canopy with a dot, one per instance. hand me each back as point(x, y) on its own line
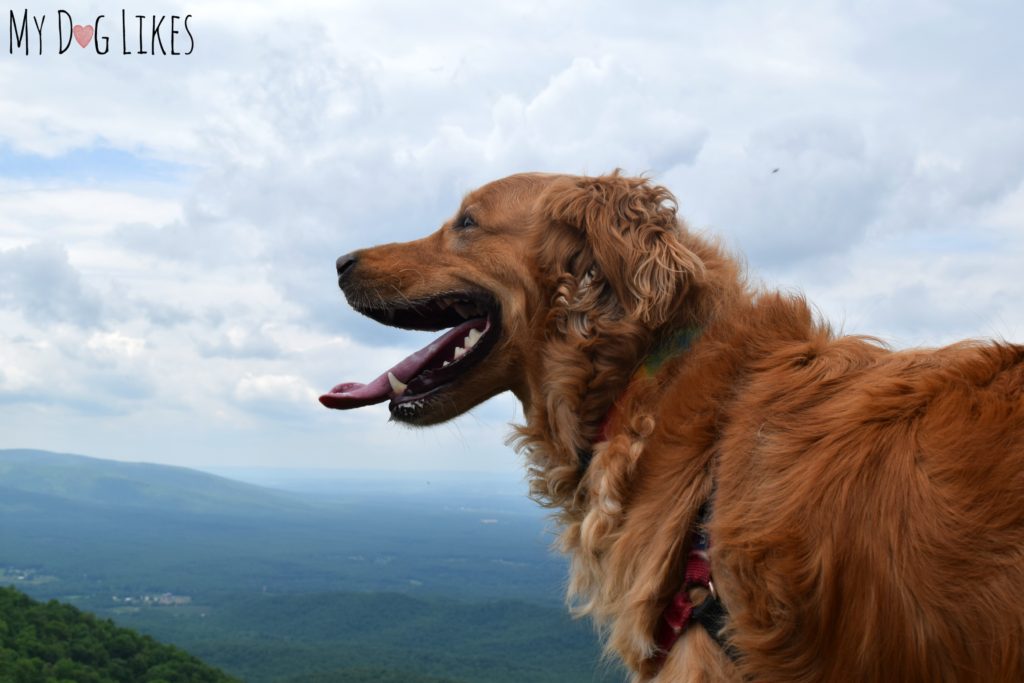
point(57, 643)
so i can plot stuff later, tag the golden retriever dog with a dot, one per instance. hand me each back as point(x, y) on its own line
point(851, 513)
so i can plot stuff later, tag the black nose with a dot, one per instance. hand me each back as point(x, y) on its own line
point(345, 264)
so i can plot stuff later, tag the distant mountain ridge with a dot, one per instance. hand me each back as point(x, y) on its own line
point(108, 527)
point(84, 479)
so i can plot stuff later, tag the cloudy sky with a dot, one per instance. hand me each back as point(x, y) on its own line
point(169, 224)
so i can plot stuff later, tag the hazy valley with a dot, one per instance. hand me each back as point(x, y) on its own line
point(358, 577)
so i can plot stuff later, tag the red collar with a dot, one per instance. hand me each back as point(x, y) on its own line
point(679, 613)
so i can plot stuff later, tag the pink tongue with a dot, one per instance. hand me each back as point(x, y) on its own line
point(355, 395)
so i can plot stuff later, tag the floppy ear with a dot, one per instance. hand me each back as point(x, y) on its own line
point(622, 234)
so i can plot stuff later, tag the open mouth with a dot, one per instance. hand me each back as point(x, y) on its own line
point(421, 377)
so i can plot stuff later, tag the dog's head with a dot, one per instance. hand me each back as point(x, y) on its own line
point(525, 260)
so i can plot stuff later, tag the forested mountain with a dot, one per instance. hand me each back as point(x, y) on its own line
point(344, 637)
point(53, 642)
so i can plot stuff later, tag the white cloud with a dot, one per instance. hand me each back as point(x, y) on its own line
point(115, 346)
point(237, 341)
point(275, 394)
point(39, 281)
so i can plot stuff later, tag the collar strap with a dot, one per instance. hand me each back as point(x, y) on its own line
point(681, 613)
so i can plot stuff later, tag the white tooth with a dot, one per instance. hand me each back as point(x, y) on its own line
point(396, 385)
point(473, 338)
point(445, 364)
point(459, 352)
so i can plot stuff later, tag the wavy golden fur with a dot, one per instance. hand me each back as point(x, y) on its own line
point(867, 505)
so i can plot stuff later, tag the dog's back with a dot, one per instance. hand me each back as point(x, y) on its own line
point(881, 497)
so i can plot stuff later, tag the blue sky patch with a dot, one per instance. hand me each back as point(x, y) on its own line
point(95, 164)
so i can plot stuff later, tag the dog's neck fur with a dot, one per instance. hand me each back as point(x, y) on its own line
point(580, 384)
point(582, 379)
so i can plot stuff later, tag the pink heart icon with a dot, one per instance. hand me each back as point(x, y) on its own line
point(83, 34)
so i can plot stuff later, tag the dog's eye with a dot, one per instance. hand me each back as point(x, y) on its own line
point(465, 222)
